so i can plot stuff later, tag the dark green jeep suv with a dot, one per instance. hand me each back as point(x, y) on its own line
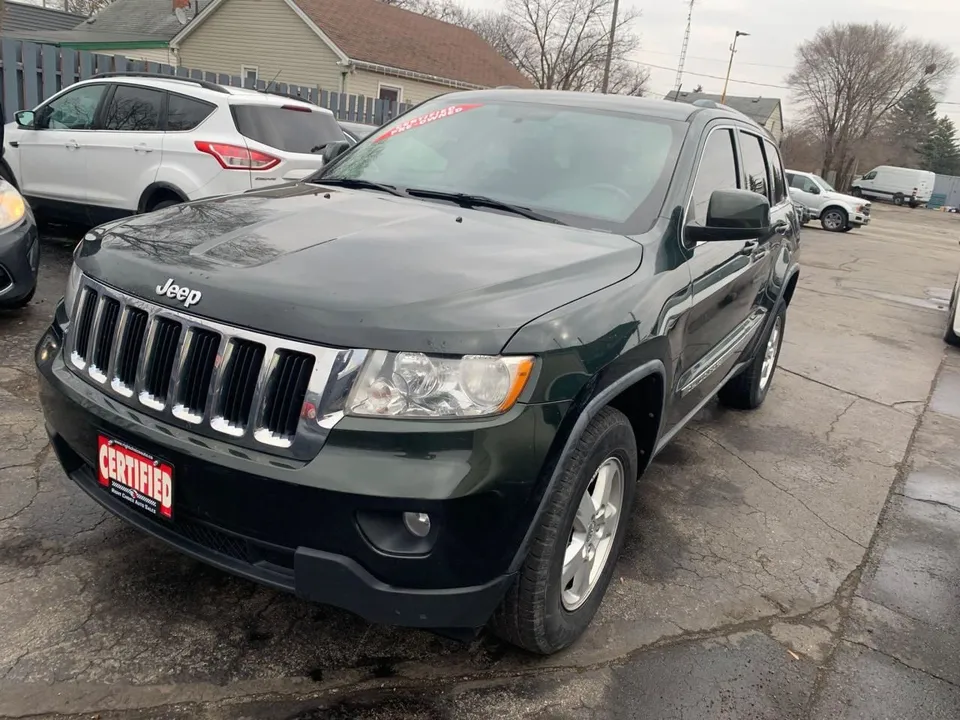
point(422, 384)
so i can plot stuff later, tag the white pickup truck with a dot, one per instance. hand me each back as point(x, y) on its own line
point(837, 212)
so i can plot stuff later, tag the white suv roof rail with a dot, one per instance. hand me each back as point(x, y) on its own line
point(205, 84)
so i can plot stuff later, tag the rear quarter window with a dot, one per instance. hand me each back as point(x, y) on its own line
point(288, 128)
point(184, 113)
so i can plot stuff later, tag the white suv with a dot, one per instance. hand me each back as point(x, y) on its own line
point(124, 143)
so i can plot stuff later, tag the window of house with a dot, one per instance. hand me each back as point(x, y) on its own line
point(133, 108)
point(751, 148)
point(718, 171)
point(391, 93)
point(250, 74)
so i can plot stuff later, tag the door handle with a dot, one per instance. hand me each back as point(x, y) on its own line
point(142, 148)
point(72, 145)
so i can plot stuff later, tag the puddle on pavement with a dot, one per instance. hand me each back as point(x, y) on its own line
point(936, 299)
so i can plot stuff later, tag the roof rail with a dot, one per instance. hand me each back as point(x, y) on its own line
point(205, 84)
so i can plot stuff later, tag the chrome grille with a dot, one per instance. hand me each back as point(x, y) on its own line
point(248, 388)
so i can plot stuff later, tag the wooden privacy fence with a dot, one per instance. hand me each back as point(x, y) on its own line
point(31, 72)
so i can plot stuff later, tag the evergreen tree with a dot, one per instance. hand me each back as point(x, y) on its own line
point(911, 125)
point(940, 153)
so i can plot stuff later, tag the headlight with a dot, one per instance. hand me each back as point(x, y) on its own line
point(415, 385)
point(73, 285)
point(12, 205)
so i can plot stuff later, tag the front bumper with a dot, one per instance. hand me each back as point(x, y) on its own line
point(860, 219)
point(281, 524)
point(19, 261)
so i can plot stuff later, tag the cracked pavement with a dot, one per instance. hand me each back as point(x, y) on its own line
point(797, 562)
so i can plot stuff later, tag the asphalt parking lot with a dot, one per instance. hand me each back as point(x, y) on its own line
point(796, 562)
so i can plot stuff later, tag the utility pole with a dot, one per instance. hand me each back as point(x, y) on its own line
point(683, 52)
point(613, 30)
point(733, 51)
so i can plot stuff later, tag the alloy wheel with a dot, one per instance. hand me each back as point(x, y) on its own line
point(592, 536)
point(770, 354)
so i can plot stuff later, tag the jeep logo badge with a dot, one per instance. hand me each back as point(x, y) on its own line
point(175, 292)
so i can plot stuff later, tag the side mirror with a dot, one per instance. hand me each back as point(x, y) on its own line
point(733, 215)
point(25, 118)
point(334, 150)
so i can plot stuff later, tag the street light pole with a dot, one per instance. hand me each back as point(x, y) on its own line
point(613, 30)
point(733, 51)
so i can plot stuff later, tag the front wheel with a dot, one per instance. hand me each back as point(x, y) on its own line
point(573, 553)
point(833, 219)
point(857, 192)
point(748, 390)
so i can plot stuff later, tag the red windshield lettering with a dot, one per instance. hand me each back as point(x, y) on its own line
point(424, 119)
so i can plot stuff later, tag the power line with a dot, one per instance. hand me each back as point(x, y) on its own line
point(698, 57)
point(714, 77)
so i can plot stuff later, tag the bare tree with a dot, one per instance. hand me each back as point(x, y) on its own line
point(86, 7)
point(849, 77)
point(562, 44)
point(558, 44)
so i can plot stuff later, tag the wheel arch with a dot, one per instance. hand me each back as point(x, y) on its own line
point(790, 286)
point(155, 189)
point(8, 172)
point(640, 384)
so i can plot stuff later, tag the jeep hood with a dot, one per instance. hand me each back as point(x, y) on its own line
point(354, 268)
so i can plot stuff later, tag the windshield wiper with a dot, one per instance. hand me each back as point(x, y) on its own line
point(471, 201)
point(355, 184)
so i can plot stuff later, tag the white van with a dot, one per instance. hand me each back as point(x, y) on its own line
point(904, 186)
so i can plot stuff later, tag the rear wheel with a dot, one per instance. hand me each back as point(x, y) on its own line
point(573, 553)
point(898, 199)
point(748, 390)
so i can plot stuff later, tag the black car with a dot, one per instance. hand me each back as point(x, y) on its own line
point(19, 249)
point(422, 384)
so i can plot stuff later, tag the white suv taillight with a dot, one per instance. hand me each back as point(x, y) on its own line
point(235, 157)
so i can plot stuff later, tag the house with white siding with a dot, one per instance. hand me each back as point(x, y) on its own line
point(767, 112)
point(359, 47)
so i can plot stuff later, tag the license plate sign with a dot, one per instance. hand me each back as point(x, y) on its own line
point(135, 477)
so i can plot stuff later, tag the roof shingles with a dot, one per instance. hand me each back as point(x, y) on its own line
point(374, 32)
point(21, 16)
point(758, 109)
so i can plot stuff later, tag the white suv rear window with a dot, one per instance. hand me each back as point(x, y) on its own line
point(290, 128)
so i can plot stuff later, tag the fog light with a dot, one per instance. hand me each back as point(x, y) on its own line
point(417, 523)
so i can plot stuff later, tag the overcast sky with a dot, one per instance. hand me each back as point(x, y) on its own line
point(775, 27)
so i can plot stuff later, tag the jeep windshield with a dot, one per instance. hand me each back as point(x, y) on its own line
point(582, 167)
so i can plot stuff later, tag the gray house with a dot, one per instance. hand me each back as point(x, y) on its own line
point(767, 112)
point(19, 18)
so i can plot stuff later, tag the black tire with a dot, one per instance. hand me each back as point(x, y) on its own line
point(745, 391)
point(857, 192)
point(949, 336)
point(834, 219)
point(532, 615)
point(898, 199)
point(164, 204)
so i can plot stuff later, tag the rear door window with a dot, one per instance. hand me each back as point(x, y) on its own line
point(290, 128)
point(184, 113)
point(134, 108)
